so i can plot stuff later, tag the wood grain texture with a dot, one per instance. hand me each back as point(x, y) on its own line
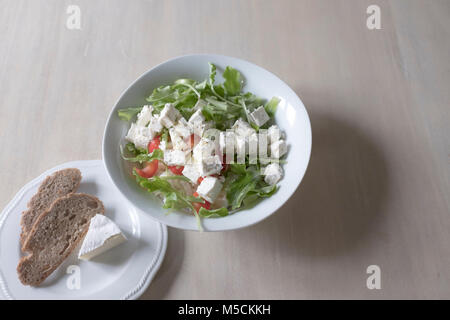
point(377, 189)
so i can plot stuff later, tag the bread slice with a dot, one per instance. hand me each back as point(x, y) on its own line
point(55, 234)
point(57, 185)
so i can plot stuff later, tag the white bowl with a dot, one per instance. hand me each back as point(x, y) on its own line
point(291, 116)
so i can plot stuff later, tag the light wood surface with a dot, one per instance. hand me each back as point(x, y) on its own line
point(377, 189)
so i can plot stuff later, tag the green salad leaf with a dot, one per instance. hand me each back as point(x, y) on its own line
point(173, 198)
point(128, 113)
point(245, 181)
point(225, 101)
point(233, 81)
point(241, 183)
point(144, 156)
point(212, 73)
point(132, 149)
point(205, 213)
point(271, 106)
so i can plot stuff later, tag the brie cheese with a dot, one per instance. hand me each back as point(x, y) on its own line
point(103, 235)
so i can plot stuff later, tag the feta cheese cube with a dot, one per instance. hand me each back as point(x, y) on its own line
point(273, 173)
point(200, 127)
point(183, 128)
point(274, 134)
point(178, 142)
point(197, 116)
point(278, 149)
point(210, 165)
point(174, 158)
point(209, 188)
point(242, 128)
point(143, 117)
point(191, 172)
point(169, 115)
point(155, 125)
point(259, 116)
point(204, 148)
point(140, 136)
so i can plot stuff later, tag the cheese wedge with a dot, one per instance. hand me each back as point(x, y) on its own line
point(103, 235)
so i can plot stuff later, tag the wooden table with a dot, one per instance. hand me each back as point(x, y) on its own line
point(378, 185)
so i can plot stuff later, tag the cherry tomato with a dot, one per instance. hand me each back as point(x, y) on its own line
point(178, 170)
point(154, 144)
point(198, 205)
point(149, 169)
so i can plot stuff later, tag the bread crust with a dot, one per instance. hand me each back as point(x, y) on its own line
point(26, 262)
point(33, 211)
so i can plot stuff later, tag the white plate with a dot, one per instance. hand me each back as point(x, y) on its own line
point(121, 273)
point(291, 116)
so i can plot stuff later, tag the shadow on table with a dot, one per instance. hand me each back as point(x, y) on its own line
point(341, 197)
point(170, 267)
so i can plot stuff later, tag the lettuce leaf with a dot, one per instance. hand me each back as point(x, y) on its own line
point(127, 114)
point(205, 213)
point(144, 157)
point(174, 199)
point(132, 149)
point(226, 102)
point(233, 81)
point(240, 185)
point(212, 74)
point(271, 106)
point(245, 182)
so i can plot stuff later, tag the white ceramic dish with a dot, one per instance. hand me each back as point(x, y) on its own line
point(291, 116)
point(123, 272)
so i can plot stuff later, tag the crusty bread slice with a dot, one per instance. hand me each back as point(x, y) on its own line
point(55, 234)
point(57, 185)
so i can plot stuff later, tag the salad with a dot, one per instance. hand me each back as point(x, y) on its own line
point(205, 148)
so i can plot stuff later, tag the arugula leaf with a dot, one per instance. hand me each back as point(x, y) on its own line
point(221, 212)
point(131, 148)
point(238, 168)
point(240, 187)
point(127, 114)
point(271, 106)
point(233, 81)
point(212, 74)
point(161, 93)
point(144, 157)
point(174, 199)
point(246, 183)
point(266, 191)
